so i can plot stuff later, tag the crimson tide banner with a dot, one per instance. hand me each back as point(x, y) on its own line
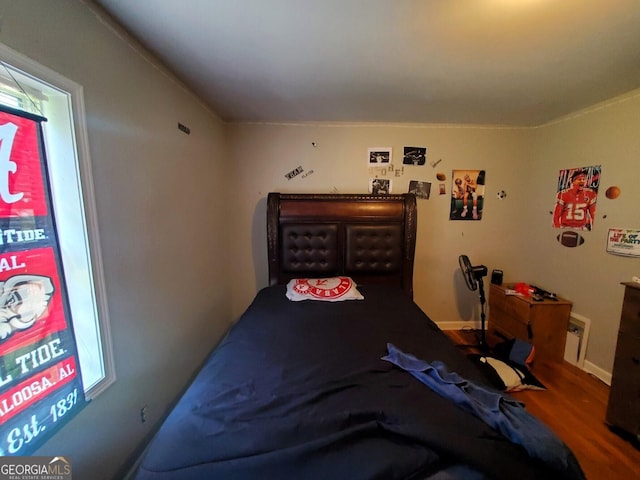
point(40, 382)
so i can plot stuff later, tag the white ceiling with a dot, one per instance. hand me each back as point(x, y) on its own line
point(505, 62)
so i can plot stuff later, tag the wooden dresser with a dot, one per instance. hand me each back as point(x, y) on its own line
point(623, 409)
point(542, 323)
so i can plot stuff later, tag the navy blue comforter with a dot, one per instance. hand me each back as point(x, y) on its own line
point(299, 390)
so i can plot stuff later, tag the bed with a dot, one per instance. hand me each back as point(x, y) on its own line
point(319, 389)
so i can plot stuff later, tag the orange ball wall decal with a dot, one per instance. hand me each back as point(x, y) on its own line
point(612, 192)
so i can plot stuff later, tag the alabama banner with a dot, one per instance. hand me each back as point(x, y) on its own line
point(40, 382)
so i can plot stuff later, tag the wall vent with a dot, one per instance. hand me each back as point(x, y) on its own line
point(577, 339)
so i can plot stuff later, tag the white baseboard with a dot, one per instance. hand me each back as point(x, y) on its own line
point(458, 325)
point(598, 372)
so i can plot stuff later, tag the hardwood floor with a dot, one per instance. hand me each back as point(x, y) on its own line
point(574, 406)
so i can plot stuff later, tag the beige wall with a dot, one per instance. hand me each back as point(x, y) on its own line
point(263, 154)
point(159, 203)
point(607, 135)
point(515, 234)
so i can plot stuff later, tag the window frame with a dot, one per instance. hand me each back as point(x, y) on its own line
point(83, 163)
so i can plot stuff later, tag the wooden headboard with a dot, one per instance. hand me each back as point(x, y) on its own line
point(370, 238)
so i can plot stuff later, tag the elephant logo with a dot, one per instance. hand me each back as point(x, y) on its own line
point(23, 301)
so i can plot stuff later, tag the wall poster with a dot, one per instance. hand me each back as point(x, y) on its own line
point(379, 155)
point(40, 381)
point(420, 189)
point(414, 156)
point(576, 198)
point(467, 194)
point(623, 241)
point(379, 186)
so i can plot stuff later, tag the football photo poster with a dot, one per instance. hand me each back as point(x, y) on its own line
point(576, 197)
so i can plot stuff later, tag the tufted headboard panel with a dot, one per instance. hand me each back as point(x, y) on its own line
point(370, 238)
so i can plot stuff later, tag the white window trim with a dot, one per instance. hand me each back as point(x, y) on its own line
point(76, 92)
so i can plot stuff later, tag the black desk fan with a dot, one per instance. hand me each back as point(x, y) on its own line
point(473, 278)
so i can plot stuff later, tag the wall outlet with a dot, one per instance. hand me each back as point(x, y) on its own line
point(143, 413)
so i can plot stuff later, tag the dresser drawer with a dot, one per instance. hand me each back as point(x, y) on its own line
point(623, 409)
point(510, 306)
point(627, 359)
point(542, 323)
point(630, 318)
point(624, 396)
point(508, 325)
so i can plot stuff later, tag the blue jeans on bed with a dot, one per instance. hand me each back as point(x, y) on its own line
point(499, 411)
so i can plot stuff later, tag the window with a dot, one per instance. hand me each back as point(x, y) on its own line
point(28, 86)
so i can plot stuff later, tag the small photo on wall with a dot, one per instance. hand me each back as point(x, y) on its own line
point(420, 189)
point(467, 194)
point(415, 156)
point(379, 155)
point(379, 186)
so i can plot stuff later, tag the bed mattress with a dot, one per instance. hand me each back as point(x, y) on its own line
point(300, 390)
